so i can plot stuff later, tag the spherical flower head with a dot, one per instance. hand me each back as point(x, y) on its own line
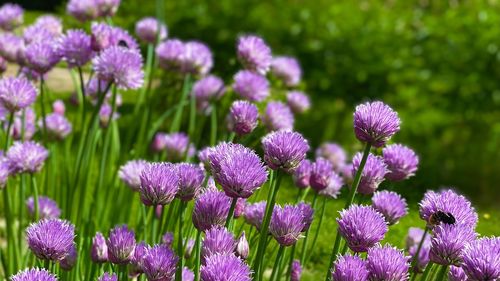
point(17, 127)
point(350, 268)
point(402, 162)
point(254, 54)
point(159, 184)
point(147, 30)
point(121, 66)
point(307, 214)
point(168, 238)
point(47, 208)
point(75, 48)
point(287, 224)
point(481, 259)
point(221, 267)
point(296, 271)
point(26, 157)
point(197, 58)
point(50, 23)
point(251, 86)
point(334, 153)
point(69, 261)
point(237, 169)
point(82, 10)
point(372, 175)
point(105, 115)
point(130, 173)
point(456, 274)
point(105, 36)
point(159, 142)
point(10, 46)
point(187, 274)
point(321, 173)
point(34, 274)
point(38, 33)
point(59, 107)
point(50, 239)
point(448, 201)
point(16, 93)
point(334, 186)
point(448, 242)
point(170, 54)
point(414, 237)
point(302, 174)
point(375, 123)
point(242, 249)
point(218, 240)
point(176, 146)
point(42, 56)
point(254, 213)
point(99, 249)
point(107, 8)
point(121, 245)
point(191, 178)
point(362, 227)
point(287, 69)
point(206, 91)
point(58, 126)
point(11, 16)
point(211, 208)
point(298, 101)
point(423, 256)
point(387, 263)
point(278, 116)
point(284, 150)
point(391, 205)
point(159, 263)
point(242, 118)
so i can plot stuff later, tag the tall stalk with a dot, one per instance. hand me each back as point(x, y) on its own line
point(415, 256)
point(176, 123)
point(180, 265)
point(304, 245)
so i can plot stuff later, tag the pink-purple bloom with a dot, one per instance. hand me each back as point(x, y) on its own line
point(251, 86)
point(390, 204)
point(177, 146)
point(47, 208)
point(197, 58)
point(401, 161)
point(16, 93)
point(34, 274)
point(278, 116)
point(11, 16)
point(207, 90)
point(481, 259)
point(362, 227)
point(150, 30)
point(254, 213)
point(387, 263)
point(107, 8)
point(298, 101)
point(287, 224)
point(218, 240)
point(170, 54)
point(42, 56)
point(50, 23)
point(225, 267)
point(334, 153)
point(99, 249)
point(121, 66)
point(335, 183)
point(50, 239)
point(307, 214)
point(413, 239)
point(105, 36)
point(296, 271)
point(284, 150)
point(159, 263)
point(372, 175)
point(242, 118)
point(58, 126)
point(75, 48)
point(10, 46)
point(130, 173)
point(108, 277)
point(159, 183)
point(26, 157)
point(448, 243)
point(254, 54)
point(242, 248)
point(456, 273)
point(69, 261)
point(121, 245)
point(83, 10)
point(287, 69)
point(210, 209)
point(302, 174)
point(375, 123)
point(350, 268)
point(191, 178)
point(321, 174)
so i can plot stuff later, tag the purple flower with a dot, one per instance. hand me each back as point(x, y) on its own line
point(302, 174)
point(254, 54)
point(16, 93)
point(4, 171)
point(225, 267)
point(168, 238)
point(210, 209)
point(191, 178)
point(75, 48)
point(286, 224)
point(307, 214)
point(38, 33)
point(170, 54)
point(130, 173)
point(47, 208)
point(105, 115)
point(414, 236)
point(481, 259)
point(237, 169)
point(11, 16)
point(197, 58)
point(17, 127)
point(362, 227)
point(254, 213)
point(447, 201)
point(321, 173)
point(251, 86)
point(333, 153)
point(99, 249)
point(42, 56)
point(10, 46)
point(335, 183)
point(121, 245)
point(375, 123)
point(105, 36)
point(69, 261)
point(58, 107)
point(401, 161)
point(350, 268)
point(207, 90)
point(159, 142)
point(177, 146)
point(298, 101)
point(218, 240)
point(50, 23)
point(278, 116)
point(287, 69)
point(147, 30)
point(50, 239)
point(456, 274)
point(159, 183)
point(391, 205)
point(387, 263)
point(242, 118)
point(141, 249)
point(83, 10)
point(159, 263)
point(108, 277)
point(58, 126)
point(423, 256)
point(284, 150)
point(372, 175)
point(189, 248)
point(120, 65)
point(448, 242)
point(296, 271)
point(107, 8)
point(26, 157)
point(242, 249)
point(34, 274)
point(187, 274)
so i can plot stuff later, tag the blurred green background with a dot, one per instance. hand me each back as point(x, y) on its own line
point(436, 62)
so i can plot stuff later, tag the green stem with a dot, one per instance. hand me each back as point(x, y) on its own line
point(82, 92)
point(11, 245)
point(192, 116)
point(428, 270)
point(197, 253)
point(42, 105)
point(7, 135)
point(176, 123)
point(213, 125)
point(290, 262)
point(415, 256)
point(320, 222)
point(277, 262)
point(35, 195)
point(230, 214)
point(442, 273)
point(180, 265)
point(350, 198)
point(304, 244)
